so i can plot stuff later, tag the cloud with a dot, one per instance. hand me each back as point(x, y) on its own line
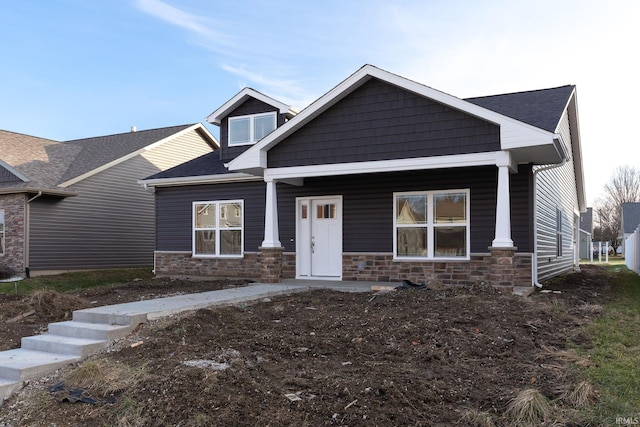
point(199, 26)
point(290, 91)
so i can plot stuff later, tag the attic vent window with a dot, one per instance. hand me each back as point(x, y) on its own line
point(247, 130)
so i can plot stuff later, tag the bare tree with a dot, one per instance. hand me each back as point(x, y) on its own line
point(623, 187)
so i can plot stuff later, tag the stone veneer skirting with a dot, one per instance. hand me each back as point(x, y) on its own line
point(497, 268)
point(248, 267)
point(503, 268)
point(13, 206)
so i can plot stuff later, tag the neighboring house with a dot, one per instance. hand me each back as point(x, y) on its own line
point(77, 204)
point(586, 231)
point(380, 179)
point(630, 220)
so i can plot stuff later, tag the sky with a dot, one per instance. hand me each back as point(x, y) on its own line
point(72, 69)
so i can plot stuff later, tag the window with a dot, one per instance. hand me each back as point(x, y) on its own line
point(431, 224)
point(1, 232)
point(558, 232)
point(218, 228)
point(244, 130)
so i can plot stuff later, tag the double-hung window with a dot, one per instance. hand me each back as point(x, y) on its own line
point(245, 130)
point(218, 228)
point(431, 224)
point(1, 232)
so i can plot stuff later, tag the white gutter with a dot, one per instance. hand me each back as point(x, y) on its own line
point(534, 259)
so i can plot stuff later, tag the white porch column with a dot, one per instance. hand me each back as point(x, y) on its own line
point(503, 204)
point(271, 233)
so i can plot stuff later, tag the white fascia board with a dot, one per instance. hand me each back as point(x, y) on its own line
point(217, 116)
point(135, 153)
point(513, 133)
point(197, 180)
point(418, 163)
point(14, 171)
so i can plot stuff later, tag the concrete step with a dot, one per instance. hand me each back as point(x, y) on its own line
point(106, 315)
point(92, 331)
point(7, 388)
point(80, 347)
point(21, 364)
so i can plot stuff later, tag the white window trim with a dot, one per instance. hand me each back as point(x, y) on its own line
point(431, 226)
point(216, 229)
point(252, 117)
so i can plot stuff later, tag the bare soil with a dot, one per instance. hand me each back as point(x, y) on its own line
point(455, 356)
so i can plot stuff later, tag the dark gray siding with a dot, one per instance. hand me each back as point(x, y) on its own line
point(379, 121)
point(251, 106)
point(367, 204)
point(174, 204)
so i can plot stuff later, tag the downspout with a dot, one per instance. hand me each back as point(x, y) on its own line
point(27, 232)
point(534, 259)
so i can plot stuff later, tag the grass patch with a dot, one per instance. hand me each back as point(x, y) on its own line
point(615, 354)
point(529, 407)
point(73, 281)
point(103, 378)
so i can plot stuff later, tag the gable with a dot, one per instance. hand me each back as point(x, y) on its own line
point(248, 107)
point(381, 121)
point(7, 176)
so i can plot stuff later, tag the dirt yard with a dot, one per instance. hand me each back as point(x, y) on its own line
point(456, 356)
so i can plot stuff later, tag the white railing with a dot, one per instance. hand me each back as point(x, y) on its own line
point(632, 251)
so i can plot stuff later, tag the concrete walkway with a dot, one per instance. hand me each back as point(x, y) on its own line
point(93, 329)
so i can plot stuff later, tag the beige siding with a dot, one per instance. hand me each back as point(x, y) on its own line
point(182, 149)
point(556, 189)
point(111, 223)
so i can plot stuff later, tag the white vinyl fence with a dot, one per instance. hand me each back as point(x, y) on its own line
point(632, 251)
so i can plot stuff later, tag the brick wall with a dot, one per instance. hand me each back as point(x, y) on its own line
point(13, 206)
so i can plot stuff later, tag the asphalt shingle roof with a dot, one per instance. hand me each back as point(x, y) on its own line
point(207, 164)
point(43, 161)
point(540, 108)
point(47, 163)
point(98, 151)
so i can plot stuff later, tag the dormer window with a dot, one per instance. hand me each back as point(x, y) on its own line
point(246, 130)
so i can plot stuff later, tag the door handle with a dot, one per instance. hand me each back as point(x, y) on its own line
point(313, 244)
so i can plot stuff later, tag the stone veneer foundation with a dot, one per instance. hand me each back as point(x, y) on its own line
point(13, 206)
point(504, 268)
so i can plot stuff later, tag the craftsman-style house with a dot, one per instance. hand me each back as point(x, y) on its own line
point(380, 179)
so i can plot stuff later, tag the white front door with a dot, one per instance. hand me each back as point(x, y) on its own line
point(319, 238)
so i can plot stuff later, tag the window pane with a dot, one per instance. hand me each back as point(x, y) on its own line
point(205, 242)
point(411, 209)
point(230, 215)
point(205, 215)
point(239, 131)
point(262, 126)
point(230, 242)
point(412, 241)
point(450, 241)
point(450, 208)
